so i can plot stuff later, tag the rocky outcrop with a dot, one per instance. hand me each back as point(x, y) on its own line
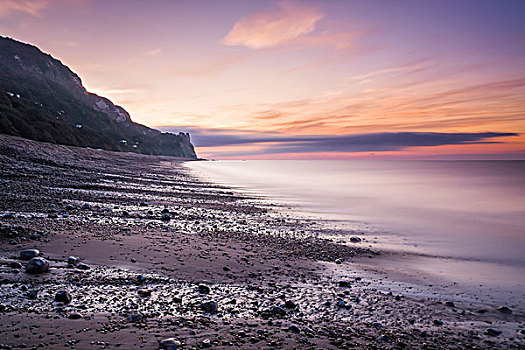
point(44, 100)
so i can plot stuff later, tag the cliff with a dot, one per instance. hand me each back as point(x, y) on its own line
point(42, 99)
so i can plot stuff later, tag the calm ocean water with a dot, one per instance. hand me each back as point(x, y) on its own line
point(468, 212)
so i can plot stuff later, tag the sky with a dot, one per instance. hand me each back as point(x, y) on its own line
point(300, 79)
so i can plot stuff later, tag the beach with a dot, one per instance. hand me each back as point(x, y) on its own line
point(148, 255)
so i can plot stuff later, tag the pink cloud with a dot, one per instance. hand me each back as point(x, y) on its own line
point(284, 24)
point(31, 7)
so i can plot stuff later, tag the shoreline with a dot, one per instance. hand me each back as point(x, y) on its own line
point(252, 259)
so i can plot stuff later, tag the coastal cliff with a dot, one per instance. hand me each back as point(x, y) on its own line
point(44, 100)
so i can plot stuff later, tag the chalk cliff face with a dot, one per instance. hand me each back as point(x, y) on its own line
point(42, 99)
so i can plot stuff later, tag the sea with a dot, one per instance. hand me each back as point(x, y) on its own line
point(462, 221)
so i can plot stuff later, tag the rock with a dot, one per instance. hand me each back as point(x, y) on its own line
point(277, 310)
point(52, 215)
point(377, 325)
point(226, 268)
point(386, 338)
point(37, 266)
point(144, 292)
point(450, 304)
point(210, 307)
point(355, 239)
point(86, 206)
point(63, 296)
point(169, 344)
point(438, 322)
point(14, 265)
point(165, 217)
point(33, 294)
point(294, 328)
point(505, 310)
point(206, 343)
point(8, 216)
point(75, 316)
point(28, 254)
point(338, 261)
point(493, 332)
point(135, 318)
point(289, 304)
point(73, 260)
point(165, 211)
point(204, 289)
point(133, 260)
point(344, 283)
point(83, 267)
point(69, 207)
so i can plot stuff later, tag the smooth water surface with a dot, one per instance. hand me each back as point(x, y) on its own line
point(468, 210)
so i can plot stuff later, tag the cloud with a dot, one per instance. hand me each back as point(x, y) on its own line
point(116, 90)
point(153, 52)
point(274, 143)
point(288, 22)
point(31, 7)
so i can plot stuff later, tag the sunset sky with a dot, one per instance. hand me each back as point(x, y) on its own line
point(300, 79)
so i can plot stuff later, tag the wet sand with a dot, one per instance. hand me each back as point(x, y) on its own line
point(157, 245)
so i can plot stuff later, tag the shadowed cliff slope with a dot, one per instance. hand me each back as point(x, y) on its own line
point(42, 99)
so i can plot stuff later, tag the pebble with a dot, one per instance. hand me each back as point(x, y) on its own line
point(355, 239)
point(73, 260)
point(15, 265)
point(289, 304)
point(63, 296)
point(204, 289)
point(169, 344)
point(505, 310)
point(75, 316)
point(493, 332)
point(37, 266)
point(438, 322)
point(294, 328)
point(135, 318)
point(210, 307)
point(83, 267)
point(28, 254)
point(144, 292)
point(277, 310)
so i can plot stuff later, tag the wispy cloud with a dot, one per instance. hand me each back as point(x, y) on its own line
point(153, 52)
point(116, 91)
point(288, 22)
point(30, 7)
